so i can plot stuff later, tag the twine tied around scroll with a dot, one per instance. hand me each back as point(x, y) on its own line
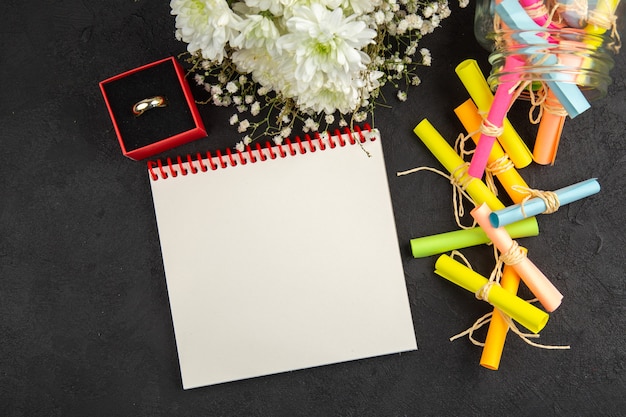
point(536, 10)
point(578, 7)
point(459, 178)
point(495, 167)
point(608, 22)
point(550, 198)
point(541, 102)
point(514, 255)
point(545, 103)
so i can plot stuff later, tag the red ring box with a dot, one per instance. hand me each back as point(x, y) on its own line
point(160, 128)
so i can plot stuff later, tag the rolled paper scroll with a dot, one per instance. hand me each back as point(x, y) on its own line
point(498, 326)
point(537, 205)
point(553, 117)
point(536, 9)
point(575, 12)
point(509, 79)
point(534, 279)
point(529, 316)
point(453, 163)
point(424, 246)
point(476, 85)
point(599, 21)
point(600, 18)
point(527, 32)
point(549, 132)
point(504, 171)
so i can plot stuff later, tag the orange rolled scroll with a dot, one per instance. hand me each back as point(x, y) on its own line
point(498, 327)
point(550, 130)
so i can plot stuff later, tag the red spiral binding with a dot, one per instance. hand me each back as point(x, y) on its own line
point(308, 140)
point(187, 164)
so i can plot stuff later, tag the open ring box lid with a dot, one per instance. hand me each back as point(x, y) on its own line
point(157, 129)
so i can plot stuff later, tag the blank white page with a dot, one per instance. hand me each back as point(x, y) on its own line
point(282, 264)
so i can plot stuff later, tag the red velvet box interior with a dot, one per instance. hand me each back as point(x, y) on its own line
point(158, 129)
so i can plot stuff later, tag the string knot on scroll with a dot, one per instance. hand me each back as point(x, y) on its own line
point(606, 21)
point(489, 129)
point(536, 10)
point(460, 179)
point(495, 168)
point(483, 292)
point(541, 102)
point(550, 198)
point(514, 255)
point(578, 7)
point(551, 104)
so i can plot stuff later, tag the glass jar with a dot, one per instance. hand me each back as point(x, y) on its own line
point(572, 41)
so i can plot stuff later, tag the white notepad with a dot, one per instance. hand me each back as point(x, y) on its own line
point(281, 264)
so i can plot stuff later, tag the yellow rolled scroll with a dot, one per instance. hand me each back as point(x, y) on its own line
point(529, 316)
point(444, 153)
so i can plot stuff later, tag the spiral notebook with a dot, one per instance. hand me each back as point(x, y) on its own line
point(280, 258)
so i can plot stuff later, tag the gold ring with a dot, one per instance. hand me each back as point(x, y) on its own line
point(149, 103)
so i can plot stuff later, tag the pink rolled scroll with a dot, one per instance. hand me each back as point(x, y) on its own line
point(535, 280)
point(497, 112)
point(534, 9)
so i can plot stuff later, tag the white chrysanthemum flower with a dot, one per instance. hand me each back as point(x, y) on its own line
point(206, 26)
point(330, 98)
point(257, 31)
point(264, 70)
point(361, 6)
point(273, 6)
point(323, 42)
point(314, 52)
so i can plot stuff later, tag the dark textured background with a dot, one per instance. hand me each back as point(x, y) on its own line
point(85, 327)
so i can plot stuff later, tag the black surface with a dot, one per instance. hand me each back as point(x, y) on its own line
point(84, 317)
